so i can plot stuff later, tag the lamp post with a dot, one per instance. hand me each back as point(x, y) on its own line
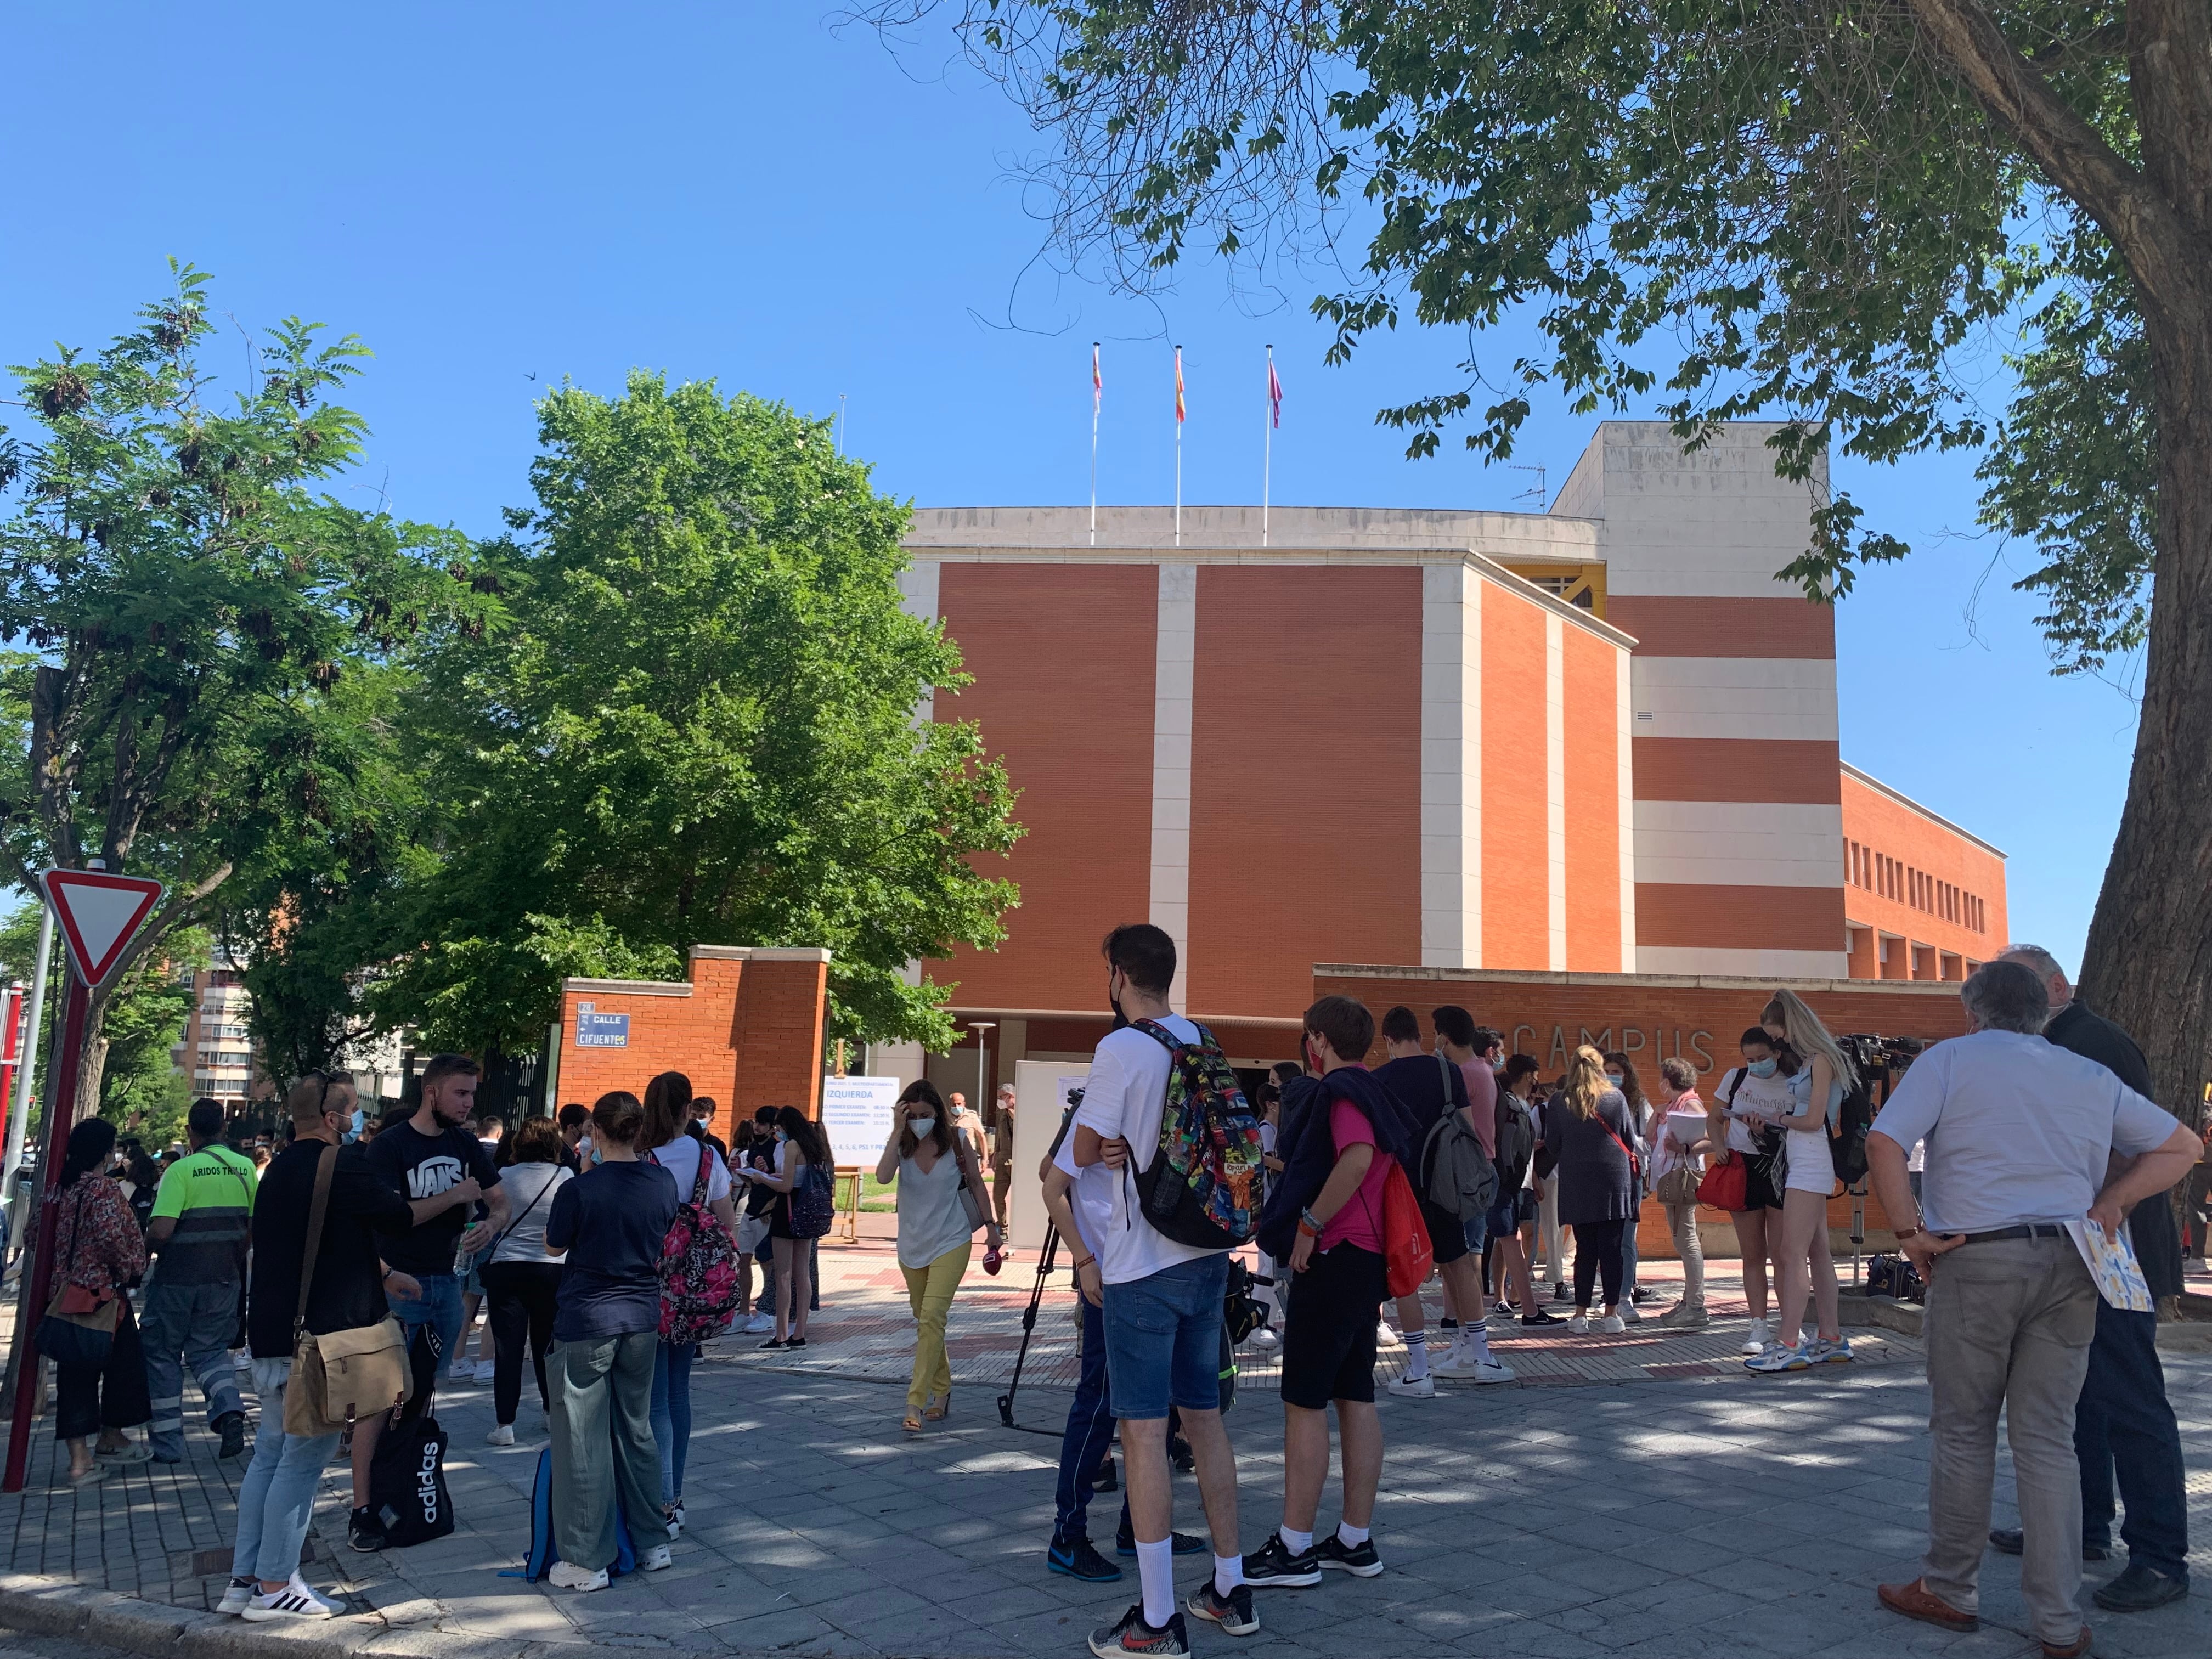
point(982, 1063)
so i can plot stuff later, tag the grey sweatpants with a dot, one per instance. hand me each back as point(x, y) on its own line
point(602, 1445)
point(2009, 1325)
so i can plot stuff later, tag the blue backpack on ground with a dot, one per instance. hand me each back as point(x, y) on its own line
point(543, 1555)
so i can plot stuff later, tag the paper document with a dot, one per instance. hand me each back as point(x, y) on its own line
point(2113, 1265)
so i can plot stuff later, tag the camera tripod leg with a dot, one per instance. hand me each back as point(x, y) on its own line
point(1029, 1323)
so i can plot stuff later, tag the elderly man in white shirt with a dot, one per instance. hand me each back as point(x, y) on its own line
point(2020, 1137)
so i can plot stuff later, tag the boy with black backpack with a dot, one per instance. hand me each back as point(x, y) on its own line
point(1184, 1182)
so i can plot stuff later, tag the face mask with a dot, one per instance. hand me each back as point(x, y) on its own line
point(1613, 1078)
point(922, 1127)
point(1762, 1068)
point(780, 1134)
point(1114, 1002)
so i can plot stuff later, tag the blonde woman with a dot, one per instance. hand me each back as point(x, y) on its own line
point(1589, 1135)
point(932, 1161)
point(1818, 1078)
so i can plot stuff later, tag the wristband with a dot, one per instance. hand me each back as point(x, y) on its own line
point(1087, 1262)
point(1308, 1225)
point(1904, 1233)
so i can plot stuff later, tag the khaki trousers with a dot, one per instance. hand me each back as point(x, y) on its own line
point(2009, 1325)
point(929, 1293)
point(1682, 1224)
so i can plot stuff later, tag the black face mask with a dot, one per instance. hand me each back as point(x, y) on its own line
point(1114, 1002)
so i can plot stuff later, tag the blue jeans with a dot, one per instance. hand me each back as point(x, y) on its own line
point(2123, 1424)
point(1090, 1432)
point(1164, 1339)
point(197, 1320)
point(277, 1498)
point(672, 1413)
point(439, 1306)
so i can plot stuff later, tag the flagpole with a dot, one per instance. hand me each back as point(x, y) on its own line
point(1097, 386)
point(1267, 454)
point(1178, 507)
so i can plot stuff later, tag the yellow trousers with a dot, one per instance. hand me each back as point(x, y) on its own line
point(929, 1291)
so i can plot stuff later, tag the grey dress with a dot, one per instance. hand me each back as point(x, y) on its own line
point(1593, 1172)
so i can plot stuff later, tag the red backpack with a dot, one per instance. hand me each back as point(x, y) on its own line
point(1406, 1253)
point(698, 1269)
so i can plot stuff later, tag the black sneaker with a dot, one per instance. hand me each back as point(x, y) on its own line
point(2137, 1589)
point(1447, 1324)
point(1134, 1636)
point(1232, 1612)
point(1125, 1543)
point(1539, 1317)
point(231, 1425)
point(1107, 1480)
point(1273, 1566)
point(1358, 1560)
point(1179, 1455)
point(2009, 1540)
point(364, 1531)
point(1079, 1559)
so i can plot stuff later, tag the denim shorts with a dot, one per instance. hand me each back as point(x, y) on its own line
point(1163, 1339)
point(1476, 1233)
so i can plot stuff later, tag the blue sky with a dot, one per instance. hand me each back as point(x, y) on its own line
point(493, 192)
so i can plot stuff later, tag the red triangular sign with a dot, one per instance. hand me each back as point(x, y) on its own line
point(99, 913)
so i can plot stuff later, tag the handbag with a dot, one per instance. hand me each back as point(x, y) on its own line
point(1726, 1184)
point(340, 1375)
point(1680, 1185)
point(79, 1327)
point(970, 1205)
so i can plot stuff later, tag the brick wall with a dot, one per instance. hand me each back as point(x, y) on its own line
point(745, 1028)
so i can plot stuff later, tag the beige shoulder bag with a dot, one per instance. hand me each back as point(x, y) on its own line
point(340, 1375)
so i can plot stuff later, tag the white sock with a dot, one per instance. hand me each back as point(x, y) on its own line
point(1350, 1536)
point(1155, 1572)
point(1475, 1339)
point(1228, 1573)
point(1417, 1355)
point(1297, 1543)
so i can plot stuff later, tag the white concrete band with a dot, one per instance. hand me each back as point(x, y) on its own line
point(1175, 666)
point(1451, 767)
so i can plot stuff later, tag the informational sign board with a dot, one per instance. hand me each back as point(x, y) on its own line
point(597, 1031)
point(1041, 1091)
point(856, 1116)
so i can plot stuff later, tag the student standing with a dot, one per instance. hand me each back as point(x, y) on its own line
point(1739, 1122)
point(1588, 1133)
point(664, 1142)
point(1679, 1143)
point(1327, 1221)
point(612, 1221)
point(930, 1164)
point(521, 1280)
point(1514, 1215)
point(1821, 1075)
point(799, 1147)
point(1620, 1074)
point(1163, 1314)
point(97, 1249)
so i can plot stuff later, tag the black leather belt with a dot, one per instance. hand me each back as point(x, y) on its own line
point(2026, 1229)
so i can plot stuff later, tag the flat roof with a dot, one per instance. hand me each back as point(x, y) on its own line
point(1910, 805)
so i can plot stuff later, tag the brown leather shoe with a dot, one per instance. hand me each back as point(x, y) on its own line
point(2074, 1650)
point(1915, 1600)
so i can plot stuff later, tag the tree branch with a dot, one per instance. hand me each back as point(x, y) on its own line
point(2108, 41)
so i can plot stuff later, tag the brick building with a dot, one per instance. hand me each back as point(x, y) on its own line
point(1600, 740)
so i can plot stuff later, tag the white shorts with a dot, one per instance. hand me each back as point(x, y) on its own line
point(1811, 1168)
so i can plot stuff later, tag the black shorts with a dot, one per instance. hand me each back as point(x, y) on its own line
point(1328, 1329)
point(1447, 1233)
point(1759, 1192)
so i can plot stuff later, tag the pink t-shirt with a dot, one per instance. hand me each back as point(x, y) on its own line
point(1482, 1102)
point(1360, 1221)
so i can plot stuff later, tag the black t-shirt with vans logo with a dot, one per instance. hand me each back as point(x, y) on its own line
point(417, 1165)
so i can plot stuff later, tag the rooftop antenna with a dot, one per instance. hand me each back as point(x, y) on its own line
point(1536, 493)
point(841, 424)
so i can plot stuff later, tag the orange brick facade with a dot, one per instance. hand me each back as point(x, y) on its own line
point(745, 1028)
point(1922, 899)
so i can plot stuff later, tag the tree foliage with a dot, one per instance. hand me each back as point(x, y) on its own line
point(697, 729)
point(193, 607)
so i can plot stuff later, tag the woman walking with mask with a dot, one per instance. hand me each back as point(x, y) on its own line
point(932, 1162)
point(1818, 1082)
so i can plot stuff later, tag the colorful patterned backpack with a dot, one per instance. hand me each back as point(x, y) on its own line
point(1202, 1185)
point(698, 1269)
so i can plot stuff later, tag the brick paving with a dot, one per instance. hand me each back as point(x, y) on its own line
point(1639, 1495)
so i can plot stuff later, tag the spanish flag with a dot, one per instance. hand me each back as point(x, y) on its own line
point(1178, 351)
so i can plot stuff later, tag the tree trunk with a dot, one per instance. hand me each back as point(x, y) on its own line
point(2149, 962)
point(91, 1070)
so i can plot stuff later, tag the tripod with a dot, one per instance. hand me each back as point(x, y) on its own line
point(1029, 1329)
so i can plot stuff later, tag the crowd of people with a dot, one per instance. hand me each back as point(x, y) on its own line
point(564, 1233)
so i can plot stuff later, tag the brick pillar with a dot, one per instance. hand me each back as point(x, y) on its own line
point(780, 1012)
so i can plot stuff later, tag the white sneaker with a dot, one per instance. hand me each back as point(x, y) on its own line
point(1578, 1325)
point(237, 1593)
point(760, 1322)
point(1468, 1366)
point(1629, 1315)
point(1387, 1337)
point(567, 1575)
point(294, 1601)
point(656, 1559)
point(1610, 1326)
point(486, 1369)
point(502, 1435)
point(1265, 1337)
point(1756, 1340)
point(1409, 1389)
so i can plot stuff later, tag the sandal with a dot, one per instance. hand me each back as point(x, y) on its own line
point(910, 1423)
point(938, 1410)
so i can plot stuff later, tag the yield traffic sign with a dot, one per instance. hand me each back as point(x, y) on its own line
point(99, 913)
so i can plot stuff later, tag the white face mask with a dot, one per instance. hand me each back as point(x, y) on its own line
point(922, 1127)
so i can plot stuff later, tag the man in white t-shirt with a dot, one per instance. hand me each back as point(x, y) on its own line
point(1162, 1302)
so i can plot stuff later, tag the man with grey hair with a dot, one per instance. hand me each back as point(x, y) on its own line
point(2019, 1136)
point(2123, 1424)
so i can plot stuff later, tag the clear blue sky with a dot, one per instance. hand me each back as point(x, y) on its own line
point(493, 191)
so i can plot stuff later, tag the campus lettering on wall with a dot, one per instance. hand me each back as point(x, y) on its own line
point(1658, 1042)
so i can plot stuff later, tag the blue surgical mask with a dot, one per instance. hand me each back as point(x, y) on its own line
point(1762, 1067)
point(1613, 1078)
point(780, 1134)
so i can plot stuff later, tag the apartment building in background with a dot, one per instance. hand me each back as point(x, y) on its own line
point(217, 1051)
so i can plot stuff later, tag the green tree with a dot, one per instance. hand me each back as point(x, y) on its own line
point(698, 728)
point(1740, 208)
point(191, 606)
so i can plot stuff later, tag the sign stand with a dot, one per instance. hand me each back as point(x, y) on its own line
point(99, 913)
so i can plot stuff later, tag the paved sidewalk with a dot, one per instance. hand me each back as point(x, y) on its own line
point(1696, 1513)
